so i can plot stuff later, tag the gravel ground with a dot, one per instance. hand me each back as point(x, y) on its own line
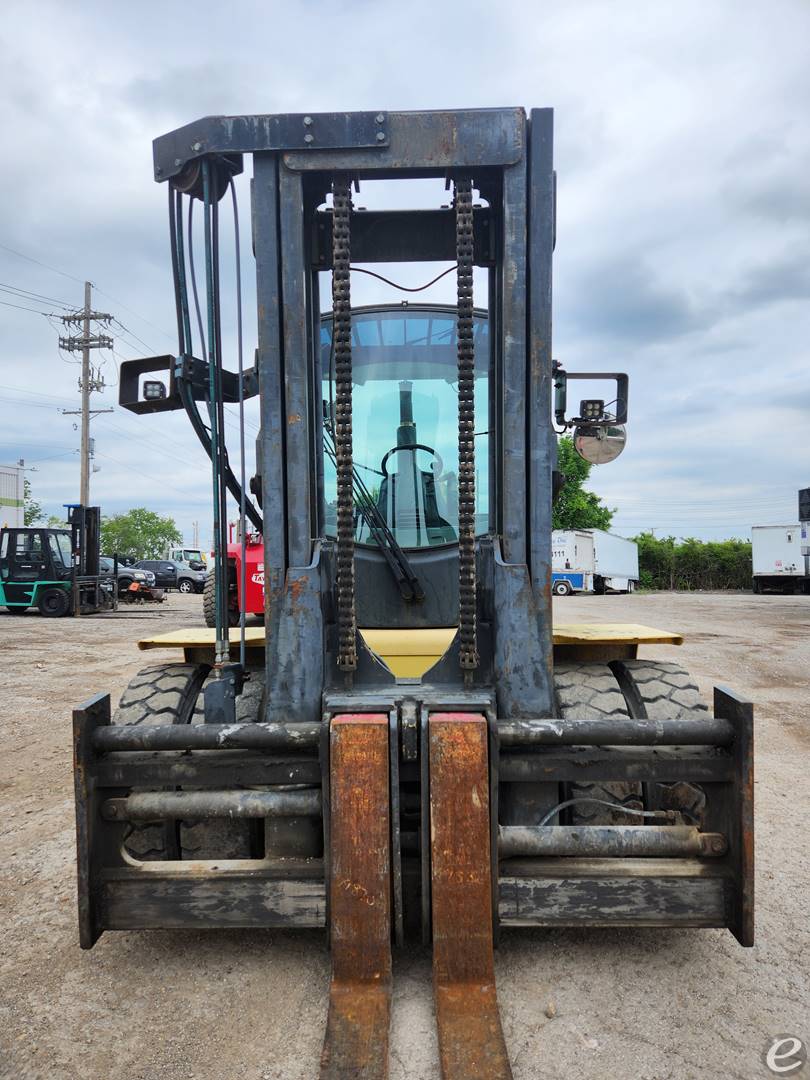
point(160, 1005)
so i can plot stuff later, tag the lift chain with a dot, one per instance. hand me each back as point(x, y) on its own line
point(342, 331)
point(466, 428)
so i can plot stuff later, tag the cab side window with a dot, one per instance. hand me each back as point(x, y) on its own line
point(29, 547)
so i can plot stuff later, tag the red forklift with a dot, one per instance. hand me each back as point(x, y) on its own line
point(248, 585)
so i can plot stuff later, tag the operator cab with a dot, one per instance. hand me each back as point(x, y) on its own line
point(404, 421)
point(28, 555)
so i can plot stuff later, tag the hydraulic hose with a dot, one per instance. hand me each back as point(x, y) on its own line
point(242, 483)
point(185, 346)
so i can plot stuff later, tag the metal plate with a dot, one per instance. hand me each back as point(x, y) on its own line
point(281, 131)
point(432, 142)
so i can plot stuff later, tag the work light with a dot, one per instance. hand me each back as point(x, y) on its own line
point(154, 391)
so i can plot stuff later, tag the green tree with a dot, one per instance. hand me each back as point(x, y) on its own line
point(574, 507)
point(32, 510)
point(139, 532)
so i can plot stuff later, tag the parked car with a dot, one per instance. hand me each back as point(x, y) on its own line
point(134, 586)
point(126, 574)
point(173, 574)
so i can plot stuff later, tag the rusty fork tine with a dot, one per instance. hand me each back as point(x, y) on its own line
point(471, 1042)
point(356, 1043)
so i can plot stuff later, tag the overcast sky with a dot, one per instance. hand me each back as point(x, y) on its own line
point(683, 159)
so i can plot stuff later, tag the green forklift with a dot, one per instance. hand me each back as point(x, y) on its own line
point(55, 570)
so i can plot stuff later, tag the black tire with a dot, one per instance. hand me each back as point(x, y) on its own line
point(124, 583)
point(54, 603)
point(210, 604)
point(185, 585)
point(165, 694)
point(16, 610)
point(561, 588)
point(591, 692)
point(209, 601)
point(657, 690)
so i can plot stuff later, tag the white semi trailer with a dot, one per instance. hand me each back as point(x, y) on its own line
point(12, 508)
point(592, 561)
point(780, 556)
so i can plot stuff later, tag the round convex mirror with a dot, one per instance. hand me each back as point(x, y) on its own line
point(599, 443)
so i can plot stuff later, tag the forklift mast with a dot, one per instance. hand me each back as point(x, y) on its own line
point(490, 578)
point(496, 589)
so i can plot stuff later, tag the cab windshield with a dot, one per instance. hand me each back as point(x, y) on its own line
point(59, 543)
point(405, 424)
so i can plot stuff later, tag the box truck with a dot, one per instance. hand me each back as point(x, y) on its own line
point(592, 561)
point(12, 511)
point(780, 556)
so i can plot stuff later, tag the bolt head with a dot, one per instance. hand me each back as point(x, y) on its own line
point(380, 136)
point(196, 147)
point(178, 161)
point(380, 118)
point(307, 121)
point(309, 138)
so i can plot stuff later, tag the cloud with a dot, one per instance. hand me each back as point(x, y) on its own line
point(682, 150)
point(622, 299)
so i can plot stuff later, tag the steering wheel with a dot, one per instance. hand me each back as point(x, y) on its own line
point(416, 446)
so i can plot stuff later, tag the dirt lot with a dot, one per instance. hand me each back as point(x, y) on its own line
point(645, 1004)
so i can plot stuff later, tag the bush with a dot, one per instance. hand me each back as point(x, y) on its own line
point(665, 563)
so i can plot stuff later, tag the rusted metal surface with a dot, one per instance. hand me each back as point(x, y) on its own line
point(287, 893)
point(87, 718)
point(471, 1042)
point(197, 805)
point(662, 764)
point(356, 1043)
point(689, 729)
point(615, 892)
point(295, 736)
point(740, 713)
point(614, 841)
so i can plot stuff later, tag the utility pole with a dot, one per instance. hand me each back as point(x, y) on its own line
point(90, 381)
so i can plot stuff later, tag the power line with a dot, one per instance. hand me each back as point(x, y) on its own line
point(20, 255)
point(40, 444)
point(160, 449)
point(34, 393)
point(134, 335)
point(55, 402)
point(15, 289)
point(64, 453)
point(36, 311)
point(147, 476)
point(30, 404)
point(137, 316)
point(72, 277)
